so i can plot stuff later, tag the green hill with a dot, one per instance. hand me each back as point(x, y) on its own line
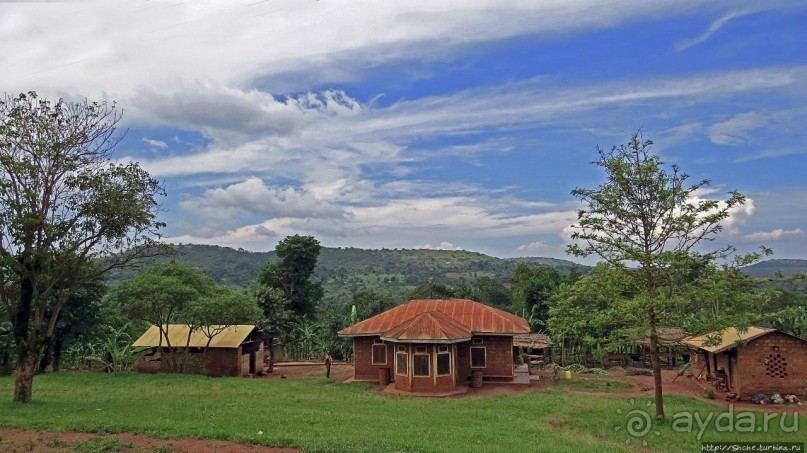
point(344, 271)
point(770, 268)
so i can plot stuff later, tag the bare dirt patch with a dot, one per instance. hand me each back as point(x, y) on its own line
point(295, 370)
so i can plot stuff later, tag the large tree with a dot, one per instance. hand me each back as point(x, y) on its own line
point(64, 203)
point(292, 274)
point(533, 290)
point(285, 292)
point(651, 225)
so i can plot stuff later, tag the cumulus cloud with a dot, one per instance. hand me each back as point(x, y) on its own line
point(773, 235)
point(734, 130)
point(221, 208)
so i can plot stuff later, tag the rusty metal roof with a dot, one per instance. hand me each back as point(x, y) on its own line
point(431, 326)
point(230, 337)
point(473, 316)
point(727, 339)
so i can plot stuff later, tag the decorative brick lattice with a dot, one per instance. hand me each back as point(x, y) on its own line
point(776, 365)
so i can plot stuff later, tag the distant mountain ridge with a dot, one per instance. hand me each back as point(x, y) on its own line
point(344, 271)
point(769, 268)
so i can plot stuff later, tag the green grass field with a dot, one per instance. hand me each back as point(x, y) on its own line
point(323, 416)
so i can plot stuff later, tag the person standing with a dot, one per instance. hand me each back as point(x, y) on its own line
point(328, 362)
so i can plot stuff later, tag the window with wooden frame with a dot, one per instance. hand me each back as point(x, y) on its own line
point(401, 362)
point(443, 360)
point(478, 357)
point(420, 365)
point(379, 353)
point(478, 341)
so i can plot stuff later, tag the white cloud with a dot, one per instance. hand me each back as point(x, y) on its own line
point(773, 235)
point(73, 47)
point(535, 246)
point(711, 30)
point(155, 144)
point(734, 130)
point(770, 153)
point(223, 208)
point(445, 245)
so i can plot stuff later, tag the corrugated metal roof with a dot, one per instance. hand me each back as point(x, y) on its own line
point(477, 318)
point(429, 326)
point(729, 338)
point(230, 337)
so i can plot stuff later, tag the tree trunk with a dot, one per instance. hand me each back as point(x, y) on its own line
point(271, 354)
point(58, 346)
point(655, 361)
point(24, 384)
point(47, 357)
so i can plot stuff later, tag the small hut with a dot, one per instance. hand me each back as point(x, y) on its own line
point(671, 347)
point(237, 350)
point(758, 360)
point(534, 344)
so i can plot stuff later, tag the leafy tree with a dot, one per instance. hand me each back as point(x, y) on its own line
point(533, 290)
point(368, 303)
point(491, 291)
point(433, 290)
point(175, 293)
point(292, 275)
point(646, 223)
point(64, 203)
point(161, 295)
point(214, 313)
point(79, 322)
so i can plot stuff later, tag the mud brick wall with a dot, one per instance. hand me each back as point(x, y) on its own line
point(772, 363)
point(363, 368)
point(499, 357)
point(224, 362)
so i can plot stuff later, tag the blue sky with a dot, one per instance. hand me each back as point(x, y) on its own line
point(453, 124)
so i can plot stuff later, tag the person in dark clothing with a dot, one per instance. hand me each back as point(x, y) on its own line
point(328, 362)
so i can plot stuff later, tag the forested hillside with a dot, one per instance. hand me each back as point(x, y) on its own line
point(343, 271)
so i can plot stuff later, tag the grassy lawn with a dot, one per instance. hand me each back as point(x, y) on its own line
point(318, 415)
point(593, 385)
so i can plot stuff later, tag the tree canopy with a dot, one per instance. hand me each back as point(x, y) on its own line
point(292, 274)
point(650, 226)
point(174, 293)
point(64, 203)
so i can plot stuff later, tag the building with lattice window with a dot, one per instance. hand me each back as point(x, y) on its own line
point(757, 360)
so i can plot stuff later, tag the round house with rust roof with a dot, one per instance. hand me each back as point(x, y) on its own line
point(435, 345)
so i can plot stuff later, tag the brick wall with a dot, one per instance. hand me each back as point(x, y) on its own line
point(499, 358)
point(219, 362)
point(363, 368)
point(785, 370)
